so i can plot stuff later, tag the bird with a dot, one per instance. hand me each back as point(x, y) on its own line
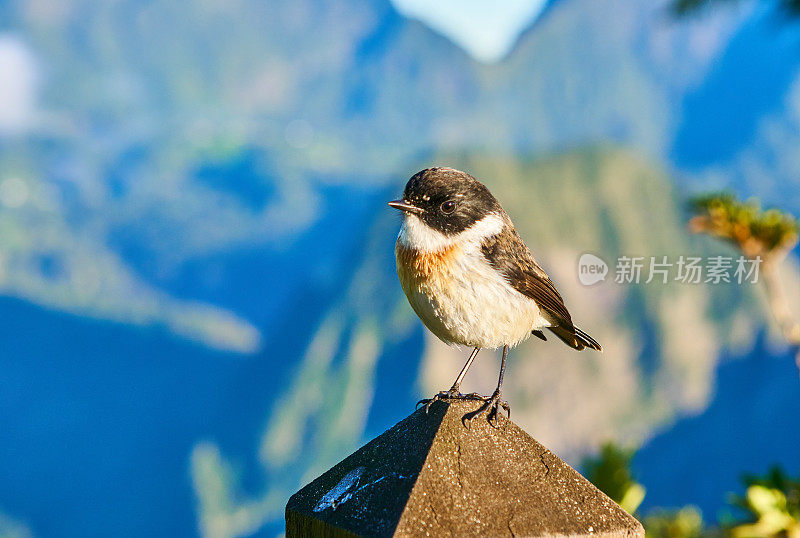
point(471, 279)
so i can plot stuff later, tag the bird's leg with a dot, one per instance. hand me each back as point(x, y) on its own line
point(453, 393)
point(457, 383)
point(493, 403)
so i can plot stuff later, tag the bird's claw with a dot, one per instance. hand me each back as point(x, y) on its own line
point(491, 406)
point(452, 394)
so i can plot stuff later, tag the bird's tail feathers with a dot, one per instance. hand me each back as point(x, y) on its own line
point(587, 340)
point(576, 338)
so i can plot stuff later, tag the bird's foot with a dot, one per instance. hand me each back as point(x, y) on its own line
point(452, 394)
point(491, 406)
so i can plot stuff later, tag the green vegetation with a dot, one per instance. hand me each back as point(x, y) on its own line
point(769, 233)
point(770, 506)
point(686, 522)
point(610, 471)
point(766, 235)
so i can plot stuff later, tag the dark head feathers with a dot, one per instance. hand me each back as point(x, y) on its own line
point(451, 200)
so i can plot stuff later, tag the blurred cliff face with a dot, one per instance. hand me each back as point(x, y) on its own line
point(192, 218)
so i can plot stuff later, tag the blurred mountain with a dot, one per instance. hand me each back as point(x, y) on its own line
point(749, 388)
point(205, 182)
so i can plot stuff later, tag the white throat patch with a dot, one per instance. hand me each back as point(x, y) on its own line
point(417, 235)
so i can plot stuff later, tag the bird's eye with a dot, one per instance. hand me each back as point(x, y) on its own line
point(448, 206)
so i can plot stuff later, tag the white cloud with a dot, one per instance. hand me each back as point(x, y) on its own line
point(18, 82)
point(485, 29)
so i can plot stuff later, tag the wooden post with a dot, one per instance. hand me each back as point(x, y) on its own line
point(431, 476)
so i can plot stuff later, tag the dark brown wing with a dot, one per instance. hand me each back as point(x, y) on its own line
point(508, 254)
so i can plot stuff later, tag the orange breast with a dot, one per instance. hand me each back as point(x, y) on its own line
point(419, 266)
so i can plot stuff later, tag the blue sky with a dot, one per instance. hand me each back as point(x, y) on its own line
point(486, 29)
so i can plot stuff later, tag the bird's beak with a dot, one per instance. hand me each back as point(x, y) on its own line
point(404, 206)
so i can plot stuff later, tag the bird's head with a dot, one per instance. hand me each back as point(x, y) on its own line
point(446, 200)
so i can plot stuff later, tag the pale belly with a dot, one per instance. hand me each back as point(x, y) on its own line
point(463, 300)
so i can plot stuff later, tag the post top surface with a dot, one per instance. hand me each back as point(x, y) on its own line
point(430, 474)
